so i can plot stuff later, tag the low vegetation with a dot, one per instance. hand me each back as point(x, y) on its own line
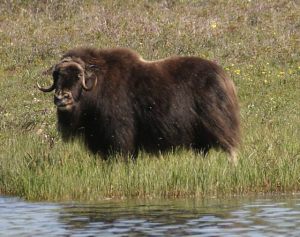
point(257, 42)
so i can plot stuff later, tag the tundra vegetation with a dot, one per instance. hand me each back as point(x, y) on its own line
point(257, 42)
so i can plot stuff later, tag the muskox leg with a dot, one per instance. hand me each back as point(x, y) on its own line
point(123, 143)
point(204, 141)
point(114, 143)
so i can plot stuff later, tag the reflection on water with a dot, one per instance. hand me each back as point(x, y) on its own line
point(274, 216)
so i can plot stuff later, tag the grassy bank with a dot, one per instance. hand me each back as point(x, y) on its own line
point(257, 42)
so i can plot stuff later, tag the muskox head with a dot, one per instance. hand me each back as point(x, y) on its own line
point(70, 77)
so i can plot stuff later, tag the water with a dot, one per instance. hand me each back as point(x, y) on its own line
point(267, 216)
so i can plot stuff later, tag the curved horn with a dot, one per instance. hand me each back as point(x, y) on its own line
point(48, 89)
point(84, 83)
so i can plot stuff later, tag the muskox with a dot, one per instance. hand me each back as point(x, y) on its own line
point(120, 103)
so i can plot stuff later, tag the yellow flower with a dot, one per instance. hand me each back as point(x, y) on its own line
point(213, 25)
point(237, 71)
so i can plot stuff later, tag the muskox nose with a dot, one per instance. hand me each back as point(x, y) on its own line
point(62, 97)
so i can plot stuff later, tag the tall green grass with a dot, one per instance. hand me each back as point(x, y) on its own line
point(67, 171)
point(257, 42)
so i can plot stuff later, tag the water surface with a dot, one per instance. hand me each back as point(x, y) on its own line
point(260, 216)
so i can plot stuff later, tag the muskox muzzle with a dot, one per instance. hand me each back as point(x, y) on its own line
point(63, 100)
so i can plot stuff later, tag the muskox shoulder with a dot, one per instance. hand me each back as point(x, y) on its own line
point(110, 56)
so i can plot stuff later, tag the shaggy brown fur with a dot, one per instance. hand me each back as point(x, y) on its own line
point(130, 104)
